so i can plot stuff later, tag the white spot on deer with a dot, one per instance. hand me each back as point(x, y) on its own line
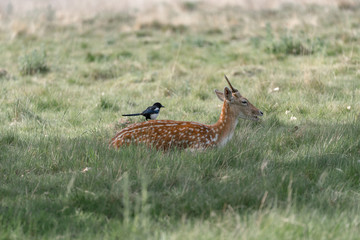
point(215, 138)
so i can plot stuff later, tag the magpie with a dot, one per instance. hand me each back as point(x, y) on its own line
point(150, 113)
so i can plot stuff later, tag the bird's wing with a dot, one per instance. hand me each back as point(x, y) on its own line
point(151, 110)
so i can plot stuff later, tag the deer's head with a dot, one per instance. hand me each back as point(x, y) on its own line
point(238, 104)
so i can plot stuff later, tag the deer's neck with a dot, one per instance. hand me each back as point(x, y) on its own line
point(226, 124)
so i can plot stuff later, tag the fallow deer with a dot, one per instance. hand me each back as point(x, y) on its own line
point(165, 134)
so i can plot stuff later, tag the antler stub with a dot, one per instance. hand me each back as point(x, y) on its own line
point(232, 89)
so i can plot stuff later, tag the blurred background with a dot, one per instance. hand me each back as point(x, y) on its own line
point(16, 13)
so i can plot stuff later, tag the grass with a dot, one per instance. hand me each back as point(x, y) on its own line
point(295, 175)
point(32, 63)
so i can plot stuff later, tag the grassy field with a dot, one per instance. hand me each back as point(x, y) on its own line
point(294, 175)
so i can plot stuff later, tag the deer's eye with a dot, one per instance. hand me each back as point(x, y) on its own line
point(244, 102)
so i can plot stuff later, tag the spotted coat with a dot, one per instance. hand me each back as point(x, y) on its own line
point(165, 134)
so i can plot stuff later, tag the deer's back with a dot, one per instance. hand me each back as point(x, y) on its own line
point(167, 133)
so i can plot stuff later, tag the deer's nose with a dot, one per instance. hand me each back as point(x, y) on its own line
point(261, 113)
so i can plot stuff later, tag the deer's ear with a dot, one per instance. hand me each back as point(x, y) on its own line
point(219, 94)
point(228, 94)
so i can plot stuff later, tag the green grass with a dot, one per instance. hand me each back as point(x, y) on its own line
point(277, 179)
point(33, 62)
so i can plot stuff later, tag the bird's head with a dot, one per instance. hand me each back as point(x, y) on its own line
point(158, 105)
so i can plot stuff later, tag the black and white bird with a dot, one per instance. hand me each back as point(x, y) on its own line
point(150, 113)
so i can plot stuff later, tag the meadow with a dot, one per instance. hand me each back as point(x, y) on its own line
point(294, 175)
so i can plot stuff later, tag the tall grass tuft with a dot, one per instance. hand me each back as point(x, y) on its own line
point(33, 63)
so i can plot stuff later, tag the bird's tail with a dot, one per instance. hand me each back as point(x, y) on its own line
point(134, 114)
